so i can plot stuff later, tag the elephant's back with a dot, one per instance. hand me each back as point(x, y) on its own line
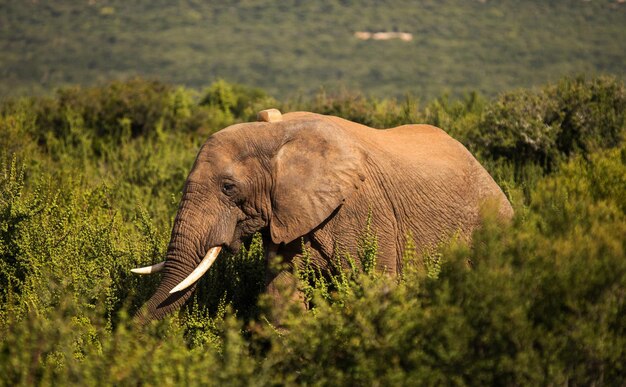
point(422, 142)
point(425, 149)
point(406, 138)
point(429, 151)
point(445, 166)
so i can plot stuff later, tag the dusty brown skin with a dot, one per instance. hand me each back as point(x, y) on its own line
point(317, 178)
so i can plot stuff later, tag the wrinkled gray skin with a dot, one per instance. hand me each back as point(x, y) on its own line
point(318, 177)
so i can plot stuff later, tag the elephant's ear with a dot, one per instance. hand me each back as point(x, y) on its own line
point(315, 170)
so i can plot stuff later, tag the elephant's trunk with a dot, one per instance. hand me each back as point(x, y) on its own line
point(162, 302)
point(183, 257)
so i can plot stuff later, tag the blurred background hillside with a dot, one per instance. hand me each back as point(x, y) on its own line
point(290, 48)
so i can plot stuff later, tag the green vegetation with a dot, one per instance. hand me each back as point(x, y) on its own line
point(90, 179)
point(293, 47)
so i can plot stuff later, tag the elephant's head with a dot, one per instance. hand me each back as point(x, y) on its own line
point(283, 178)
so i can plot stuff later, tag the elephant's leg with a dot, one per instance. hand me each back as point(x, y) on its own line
point(281, 281)
point(285, 295)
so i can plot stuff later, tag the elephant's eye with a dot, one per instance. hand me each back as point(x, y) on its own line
point(228, 188)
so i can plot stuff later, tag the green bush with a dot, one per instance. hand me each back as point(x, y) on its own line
point(236, 102)
point(537, 301)
point(136, 106)
point(574, 116)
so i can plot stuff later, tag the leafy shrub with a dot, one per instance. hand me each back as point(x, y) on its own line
point(570, 117)
point(230, 103)
point(457, 117)
point(136, 106)
point(538, 301)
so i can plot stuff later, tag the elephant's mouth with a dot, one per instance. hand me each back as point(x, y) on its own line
point(234, 246)
point(192, 278)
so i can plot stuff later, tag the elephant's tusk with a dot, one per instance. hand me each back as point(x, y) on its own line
point(199, 271)
point(149, 269)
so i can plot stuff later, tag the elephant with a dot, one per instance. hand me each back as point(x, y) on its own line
point(306, 180)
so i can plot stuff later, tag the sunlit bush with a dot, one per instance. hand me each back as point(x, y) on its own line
point(572, 116)
point(538, 301)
